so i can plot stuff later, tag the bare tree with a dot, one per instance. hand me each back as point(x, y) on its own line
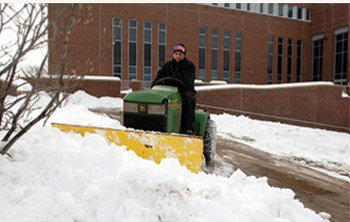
point(34, 27)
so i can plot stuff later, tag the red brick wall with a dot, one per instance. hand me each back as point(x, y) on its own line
point(95, 87)
point(316, 105)
point(326, 18)
point(183, 22)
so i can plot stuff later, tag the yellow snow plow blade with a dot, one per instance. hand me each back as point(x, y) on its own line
point(148, 145)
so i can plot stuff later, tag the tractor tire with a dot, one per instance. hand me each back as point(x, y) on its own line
point(209, 141)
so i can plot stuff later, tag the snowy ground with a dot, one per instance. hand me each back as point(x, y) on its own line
point(56, 176)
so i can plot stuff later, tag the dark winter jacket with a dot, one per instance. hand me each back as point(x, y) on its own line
point(183, 70)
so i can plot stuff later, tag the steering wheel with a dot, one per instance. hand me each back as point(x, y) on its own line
point(170, 81)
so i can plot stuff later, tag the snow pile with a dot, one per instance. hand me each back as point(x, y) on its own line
point(82, 98)
point(56, 176)
point(327, 147)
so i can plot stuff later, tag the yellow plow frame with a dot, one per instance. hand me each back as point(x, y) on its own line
point(149, 145)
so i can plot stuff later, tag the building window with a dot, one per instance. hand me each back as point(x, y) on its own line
point(270, 8)
point(132, 49)
point(202, 47)
point(280, 61)
point(341, 56)
point(270, 59)
point(161, 43)
point(290, 61)
point(214, 53)
point(290, 11)
point(280, 9)
point(317, 58)
point(117, 47)
point(307, 14)
point(238, 5)
point(227, 5)
point(300, 13)
point(147, 53)
point(227, 55)
point(261, 7)
point(238, 69)
point(299, 54)
point(248, 6)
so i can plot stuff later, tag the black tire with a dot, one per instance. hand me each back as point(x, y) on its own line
point(209, 140)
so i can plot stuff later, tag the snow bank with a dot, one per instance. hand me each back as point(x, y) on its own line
point(253, 86)
point(328, 147)
point(56, 176)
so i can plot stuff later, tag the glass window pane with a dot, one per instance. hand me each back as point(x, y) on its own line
point(227, 33)
point(214, 42)
point(238, 61)
point(132, 36)
point(214, 59)
point(345, 63)
point(162, 26)
point(147, 55)
point(271, 8)
point(202, 58)
point(117, 52)
point(147, 36)
point(132, 23)
point(238, 5)
point(202, 41)
point(226, 43)
point(202, 30)
point(269, 64)
point(226, 60)
point(280, 9)
point(117, 33)
point(117, 21)
point(132, 53)
point(162, 37)
point(161, 53)
point(148, 24)
point(300, 13)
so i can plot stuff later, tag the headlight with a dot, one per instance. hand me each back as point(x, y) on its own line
point(130, 107)
point(156, 109)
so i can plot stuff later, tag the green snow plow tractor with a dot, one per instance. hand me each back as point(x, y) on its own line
point(159, 109)
point(153, 121)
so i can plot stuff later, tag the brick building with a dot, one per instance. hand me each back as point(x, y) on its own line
point(252, 43)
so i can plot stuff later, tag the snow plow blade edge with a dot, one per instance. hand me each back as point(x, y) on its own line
point(149, 145)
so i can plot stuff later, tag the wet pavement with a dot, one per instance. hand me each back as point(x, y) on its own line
point(316, 190)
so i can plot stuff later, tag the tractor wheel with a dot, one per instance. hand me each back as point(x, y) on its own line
point(209, 140)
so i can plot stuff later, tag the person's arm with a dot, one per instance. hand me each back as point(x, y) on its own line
point(160, 74)
point(188, 76)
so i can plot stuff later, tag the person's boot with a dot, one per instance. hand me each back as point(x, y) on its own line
point(190, 132)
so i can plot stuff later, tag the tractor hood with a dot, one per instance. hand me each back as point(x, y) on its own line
point(155, 95)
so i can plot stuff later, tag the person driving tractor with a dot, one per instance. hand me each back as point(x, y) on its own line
point(179, 67)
